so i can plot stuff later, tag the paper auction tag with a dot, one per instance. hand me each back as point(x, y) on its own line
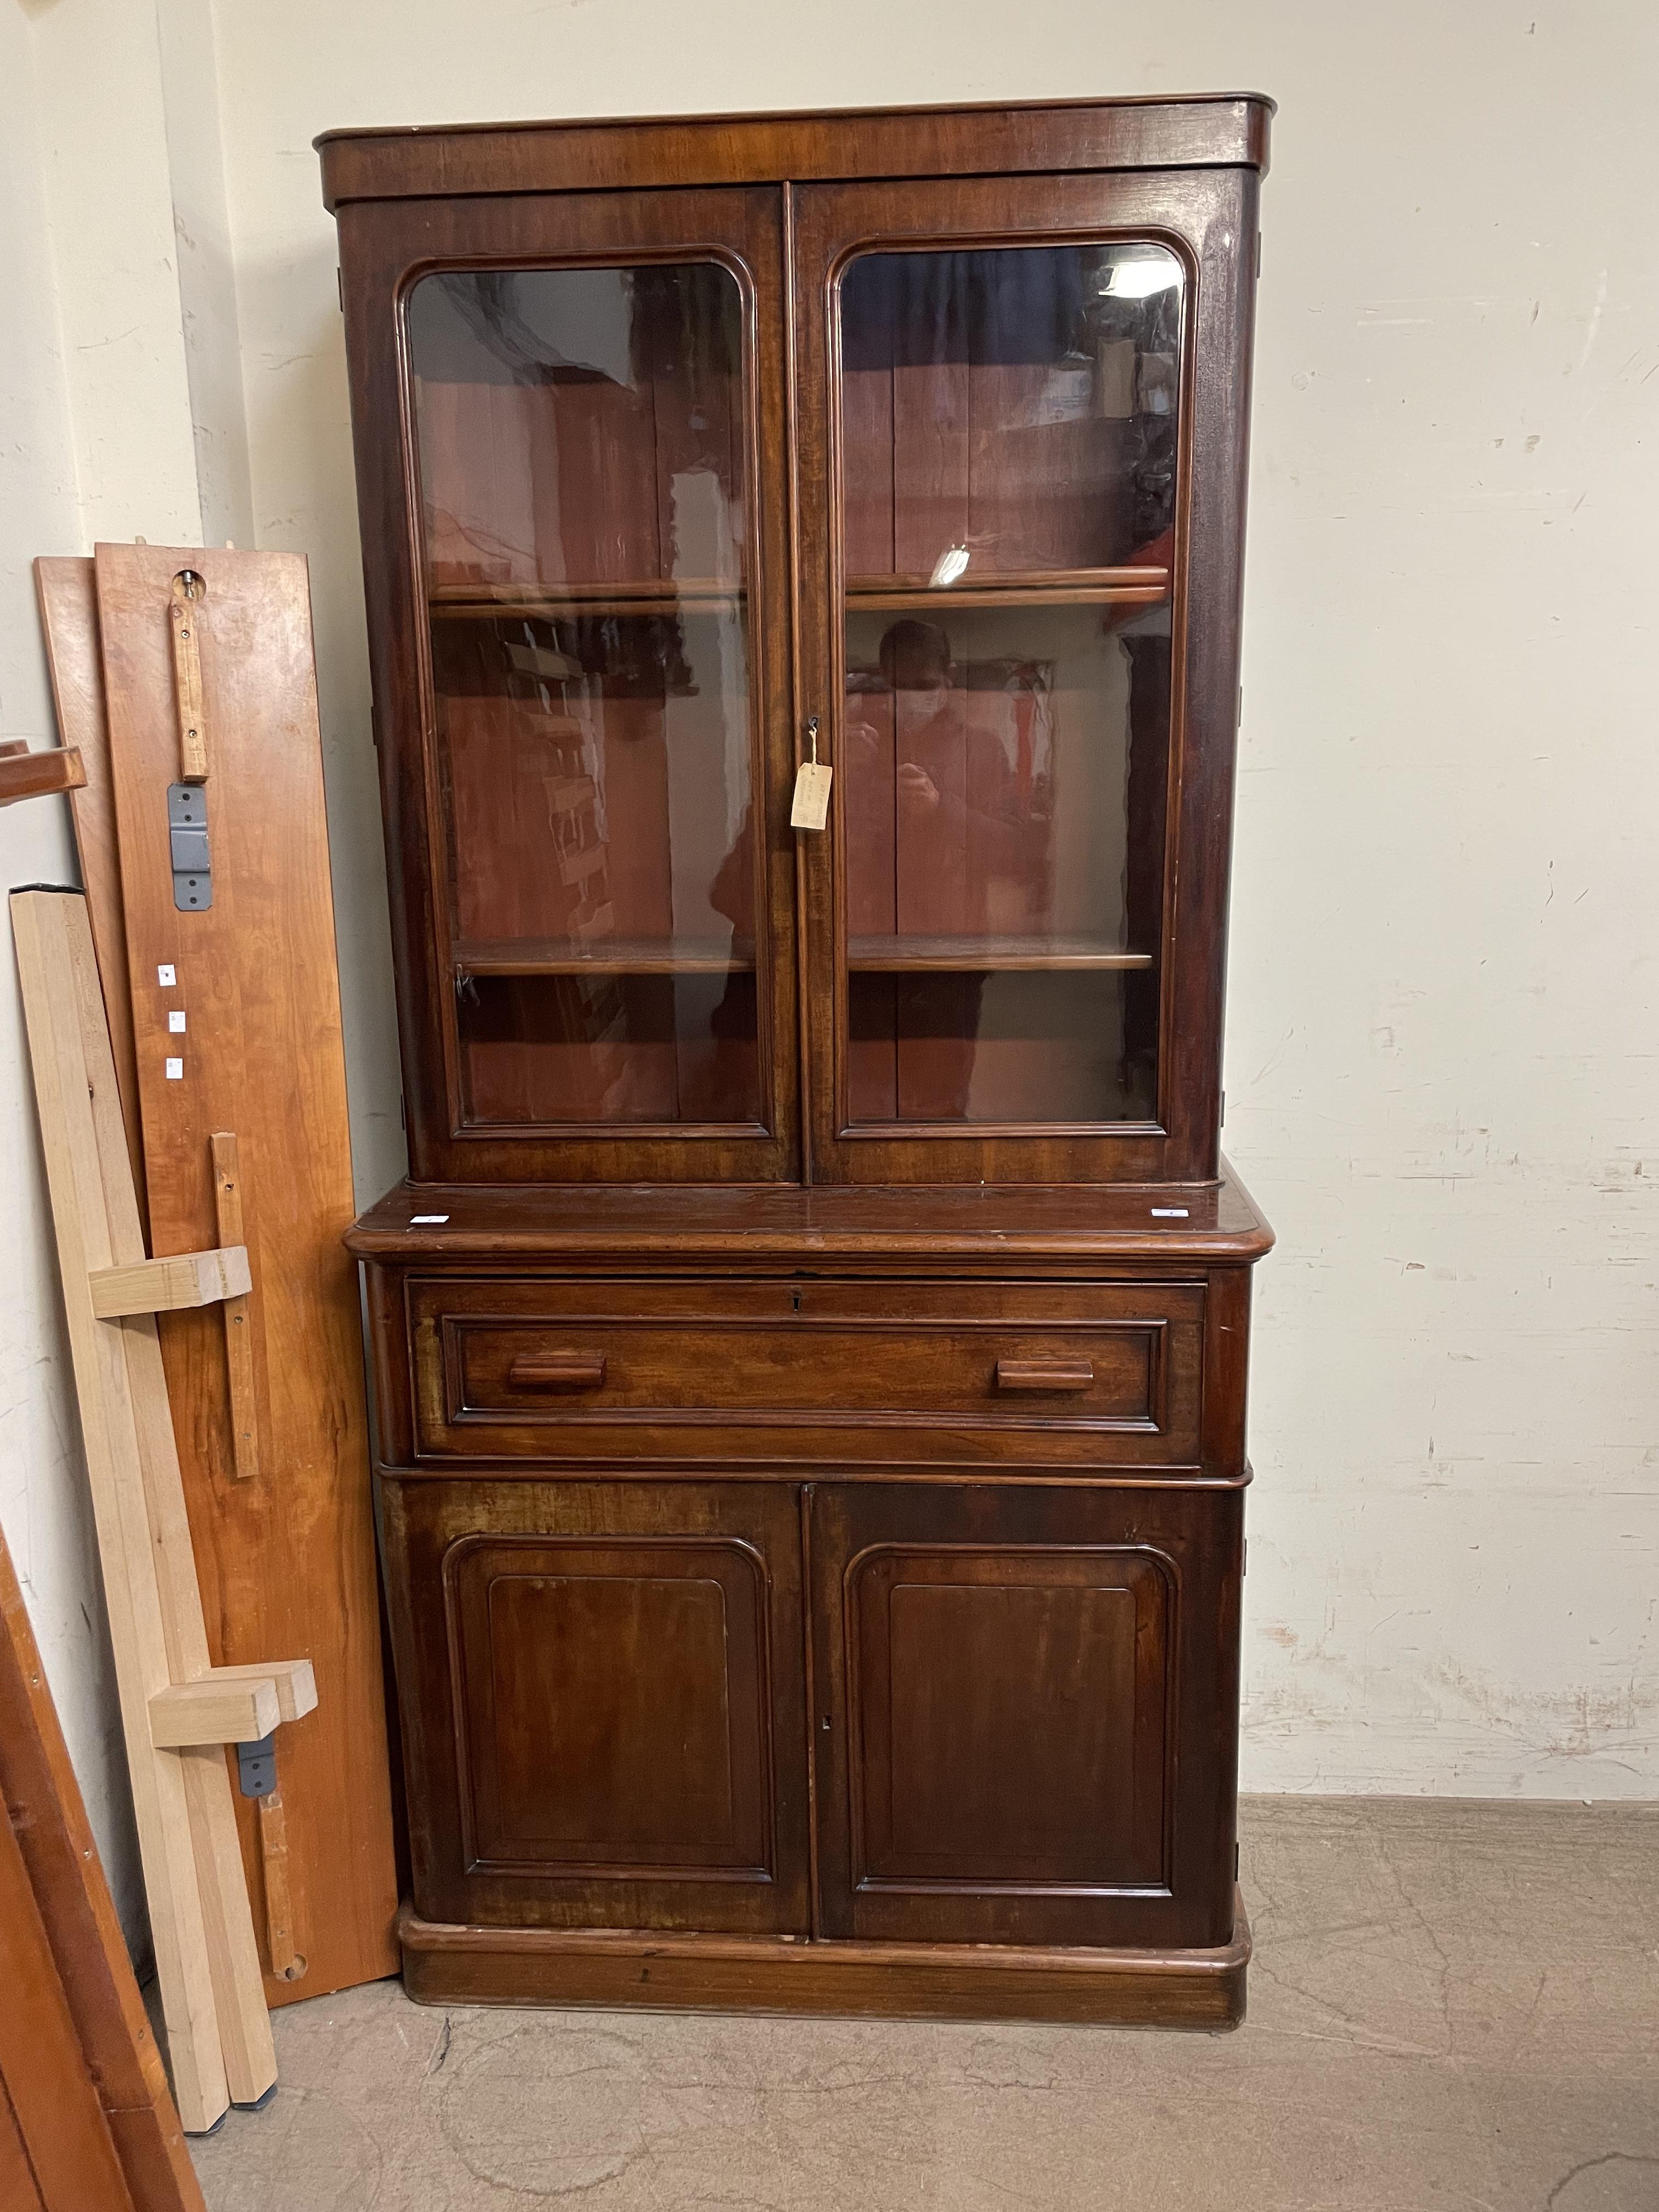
point(811, 809)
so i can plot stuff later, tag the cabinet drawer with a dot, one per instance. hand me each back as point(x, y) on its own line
point(890, 1371)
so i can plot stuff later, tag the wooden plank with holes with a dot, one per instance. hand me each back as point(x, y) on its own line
point(116, 2051)
point(261, 1056)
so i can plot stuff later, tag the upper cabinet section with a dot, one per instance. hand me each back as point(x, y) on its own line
point(941, 474)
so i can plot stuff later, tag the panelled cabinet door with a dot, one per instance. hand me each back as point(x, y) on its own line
point(1021, 454)
point(567, 413)
point(1024, 1699)
point(604, 1703)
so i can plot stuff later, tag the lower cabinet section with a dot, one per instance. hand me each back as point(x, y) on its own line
point(1018, 1703)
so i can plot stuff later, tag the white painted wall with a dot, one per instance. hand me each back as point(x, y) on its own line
point(1442, 1042)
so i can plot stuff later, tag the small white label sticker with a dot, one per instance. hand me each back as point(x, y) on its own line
point(421, 1220)
point(176, 1071)
point(166, 977)
point(1169, 1213)
point(176, 1023)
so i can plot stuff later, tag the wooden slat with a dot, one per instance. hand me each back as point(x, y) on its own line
point(645, 595)
point(243, 2029)
point(187, 684)
point(35, 775)
point(904, 955)
point(233, 1704)
point(189, 1278)
point(73, 1086)
point(285, 1957)
point(287, 1559)
point(605, 956)
point(1129, 587)
point(294, 1680)
point(68, 594)
point(212, 1712)
point(240, 1369)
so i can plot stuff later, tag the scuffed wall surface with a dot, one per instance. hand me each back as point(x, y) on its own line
point(1441, 1057)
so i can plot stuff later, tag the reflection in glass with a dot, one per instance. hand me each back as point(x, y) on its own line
point(1009, 447)
point(581, 441)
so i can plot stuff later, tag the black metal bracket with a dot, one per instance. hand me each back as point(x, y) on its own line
point(256, 1766)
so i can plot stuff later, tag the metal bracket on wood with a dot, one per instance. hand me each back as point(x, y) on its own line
point(192, 861)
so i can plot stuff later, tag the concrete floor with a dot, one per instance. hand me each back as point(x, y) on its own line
point(1452, 2006)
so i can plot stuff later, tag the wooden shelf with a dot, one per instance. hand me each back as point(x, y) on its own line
point(645, 595)
point(873, 956)
point(1136, 587)
point(605, 956)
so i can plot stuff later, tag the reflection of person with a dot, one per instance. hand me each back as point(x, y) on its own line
point(971, 828)
point(915, 659)
point(993, 820)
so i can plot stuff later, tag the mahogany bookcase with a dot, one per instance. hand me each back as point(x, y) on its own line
point(810, 1346)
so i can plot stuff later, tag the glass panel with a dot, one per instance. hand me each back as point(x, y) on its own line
point(1009, 441)
point(581, 441)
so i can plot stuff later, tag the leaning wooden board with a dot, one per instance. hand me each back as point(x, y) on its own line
point(285, 1546)
point(125, 2083)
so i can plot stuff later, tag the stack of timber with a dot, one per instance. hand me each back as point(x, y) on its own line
point(184, 680)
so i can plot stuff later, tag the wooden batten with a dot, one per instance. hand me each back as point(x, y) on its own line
point(189, 1278)
point(209, 1999)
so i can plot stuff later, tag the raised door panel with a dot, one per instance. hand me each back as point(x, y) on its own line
point(1010, 1706)
point(603, 1703)
point(612, 1709)
point(1025, 1714)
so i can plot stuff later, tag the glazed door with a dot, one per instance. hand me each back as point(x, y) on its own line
point(603, 1700)
point(593, 887)
point(1021, 436)
point(1025, 1712)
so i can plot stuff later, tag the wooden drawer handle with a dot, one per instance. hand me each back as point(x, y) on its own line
point(556, 1370)
point(1044, 1373)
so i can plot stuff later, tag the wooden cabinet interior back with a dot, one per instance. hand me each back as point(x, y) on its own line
point(810, 1349)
